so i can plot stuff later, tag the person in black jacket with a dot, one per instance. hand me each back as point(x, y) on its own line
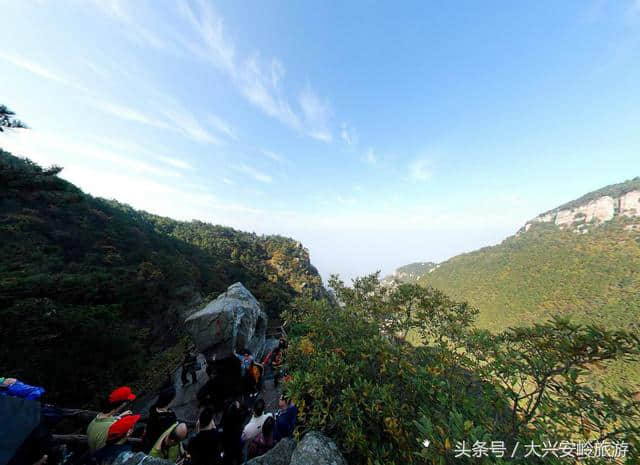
point(205, 448)
point(232, 426)
point(189, 367)
point(286, 418)
point(161, 417)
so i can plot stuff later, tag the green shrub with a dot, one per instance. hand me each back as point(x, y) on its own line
point(355, 377)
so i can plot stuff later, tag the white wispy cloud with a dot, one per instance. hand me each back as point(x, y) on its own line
point(125, 112)
point(181, 164)
point(213, 44)
point(253, 173)
point(222, 126)
point(316, 114)
point(38, 69)
point(348, 134)
point(273, 156)
point(169, 113)
point(54, 149)
point(186, 123)
point(371, 157)
point(259, 83)
point(257, 79)
point(176, 117)
point(120, 11)
point(136, 150)
point(97, 70)
point(420, 169)
point(114, 8)
point(102, 167)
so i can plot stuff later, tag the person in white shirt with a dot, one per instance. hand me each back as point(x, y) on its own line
point(254, 426)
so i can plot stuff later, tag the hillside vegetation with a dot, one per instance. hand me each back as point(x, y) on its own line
point(463, 395)
point(594, 277)
point(546, 271)
point(93, 292)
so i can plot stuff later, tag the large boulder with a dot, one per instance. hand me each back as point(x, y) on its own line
point(317, 449)
point(235, 320)
point(279, 455)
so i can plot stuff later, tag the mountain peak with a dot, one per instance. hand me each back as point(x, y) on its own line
point(594, 208)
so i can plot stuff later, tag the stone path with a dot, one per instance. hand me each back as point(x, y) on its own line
point(186, 405)
point(270, 392)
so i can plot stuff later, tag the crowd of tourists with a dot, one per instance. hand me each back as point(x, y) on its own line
point(244, 428)
point(241, 434)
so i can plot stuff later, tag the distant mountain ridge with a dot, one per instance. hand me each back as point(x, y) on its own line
point(410, 273)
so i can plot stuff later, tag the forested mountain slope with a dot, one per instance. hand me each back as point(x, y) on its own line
point(593, 277)
point(93, 291)
point(411, 272)
point(580, 259)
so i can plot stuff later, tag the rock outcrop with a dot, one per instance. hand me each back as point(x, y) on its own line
point(234, 321)
point(314, 449)
point(594, 212)
point(317, 449)
point(279, 455)
point(630, 204)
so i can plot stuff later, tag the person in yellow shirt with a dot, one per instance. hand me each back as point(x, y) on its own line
point(98, 429)
point(169, 444)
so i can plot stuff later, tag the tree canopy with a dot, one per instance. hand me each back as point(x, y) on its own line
point(384, 400)
point(7, 119)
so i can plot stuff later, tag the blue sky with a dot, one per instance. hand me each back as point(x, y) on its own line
point(378, 134)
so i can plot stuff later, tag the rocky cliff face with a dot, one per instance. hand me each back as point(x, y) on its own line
point(630, 204)
point(580, 217)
